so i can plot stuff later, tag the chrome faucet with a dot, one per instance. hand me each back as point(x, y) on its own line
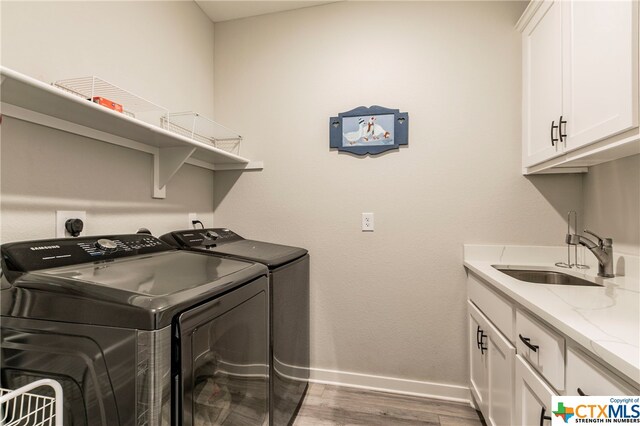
point(603, 251)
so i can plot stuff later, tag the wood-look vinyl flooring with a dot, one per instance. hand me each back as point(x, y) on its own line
point(327, 405)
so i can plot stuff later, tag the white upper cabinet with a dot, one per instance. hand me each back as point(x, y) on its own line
point(542, 79)
point(600, 70)
point(580, 83)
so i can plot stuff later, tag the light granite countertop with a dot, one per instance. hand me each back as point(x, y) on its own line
point(605, 321)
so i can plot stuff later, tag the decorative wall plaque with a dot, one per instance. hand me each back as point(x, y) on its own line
point(370, 130)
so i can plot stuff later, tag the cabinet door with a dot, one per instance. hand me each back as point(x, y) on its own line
point(542, 83)
point(491, 365)
point(533, 396)
point(501, 356)
point(600, 69)
point(479, 380)
point(585, 377)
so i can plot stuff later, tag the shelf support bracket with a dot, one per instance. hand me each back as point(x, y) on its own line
point(166, 162)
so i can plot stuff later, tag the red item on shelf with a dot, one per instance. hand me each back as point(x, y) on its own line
point(107, 103)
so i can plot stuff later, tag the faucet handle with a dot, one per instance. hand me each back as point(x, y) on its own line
point(602, 242)
point(592, 233)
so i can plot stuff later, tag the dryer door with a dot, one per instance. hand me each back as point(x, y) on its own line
point(223, 377)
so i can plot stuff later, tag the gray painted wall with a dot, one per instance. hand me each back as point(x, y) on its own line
point(162, 51)
point(392, 302)
point(386, 303)
point(612, 203)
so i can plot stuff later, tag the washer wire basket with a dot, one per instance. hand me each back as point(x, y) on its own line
point(21, 408)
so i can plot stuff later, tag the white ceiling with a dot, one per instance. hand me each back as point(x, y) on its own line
point(219, 11)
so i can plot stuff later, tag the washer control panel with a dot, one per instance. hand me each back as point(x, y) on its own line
point(208, 237)
point(34, 255)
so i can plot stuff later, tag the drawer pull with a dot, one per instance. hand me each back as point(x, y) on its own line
point(526, 341)
point(478, 333)
point(581, 393)
point(543, 417)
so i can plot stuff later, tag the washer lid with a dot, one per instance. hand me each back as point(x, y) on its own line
point(225, 242)
point(272, 255)
point(142, 292)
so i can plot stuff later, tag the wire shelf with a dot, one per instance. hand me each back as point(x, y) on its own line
point(202, 129)
point(134, 106)
point(21, 408)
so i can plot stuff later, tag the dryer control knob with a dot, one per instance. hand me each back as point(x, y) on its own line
point(212, 235)
point(106, 245)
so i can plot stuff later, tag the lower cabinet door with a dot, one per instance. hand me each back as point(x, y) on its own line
point(479, 380)
point(533, 396)
point(492, 368)
point(501, 359)
point(585, 377)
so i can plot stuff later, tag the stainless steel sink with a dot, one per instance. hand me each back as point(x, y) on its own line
point(544, 277)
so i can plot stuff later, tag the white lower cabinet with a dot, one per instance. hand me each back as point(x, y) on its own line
point(501, 364)
point(478, 374)
point(491, 366)
point(517, 362)
point(584, 377)
point(533, 396)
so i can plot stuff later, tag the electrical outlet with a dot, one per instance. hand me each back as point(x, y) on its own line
point(367, 221)
point(192, 217)
point(63, 215)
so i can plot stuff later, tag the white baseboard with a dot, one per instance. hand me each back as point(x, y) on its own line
point(391, 384)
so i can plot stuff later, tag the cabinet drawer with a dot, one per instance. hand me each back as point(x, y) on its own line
point(497, 309)
point(592, 379)
point(542, 347)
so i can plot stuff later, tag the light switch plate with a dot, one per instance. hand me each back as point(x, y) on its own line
point(63, 215)
point(367, 221)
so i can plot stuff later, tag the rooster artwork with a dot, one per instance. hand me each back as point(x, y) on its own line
point(369, 130)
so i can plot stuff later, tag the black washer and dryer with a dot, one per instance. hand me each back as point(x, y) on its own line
point(289, 293)
point(137, 332)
